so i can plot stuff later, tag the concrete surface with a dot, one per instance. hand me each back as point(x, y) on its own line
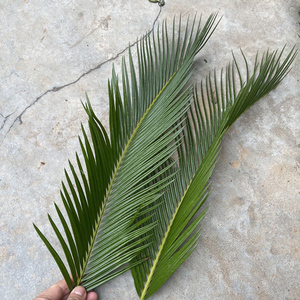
point(51, 52)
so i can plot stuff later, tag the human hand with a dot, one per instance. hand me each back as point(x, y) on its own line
point(60, 291)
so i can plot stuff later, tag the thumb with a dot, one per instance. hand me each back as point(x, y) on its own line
point(78, 293)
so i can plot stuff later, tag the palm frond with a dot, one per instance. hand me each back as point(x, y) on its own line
point(116, 182)
point(178, 211)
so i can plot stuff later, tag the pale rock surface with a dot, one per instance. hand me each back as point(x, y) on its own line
point(52, 52)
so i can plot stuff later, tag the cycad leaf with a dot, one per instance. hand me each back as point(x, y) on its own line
point(105, 226)
point(177, 210)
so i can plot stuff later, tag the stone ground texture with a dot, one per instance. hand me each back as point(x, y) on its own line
point(52, 52)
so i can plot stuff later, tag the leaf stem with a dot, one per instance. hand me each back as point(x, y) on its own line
point(155, 262)
point(98, 223)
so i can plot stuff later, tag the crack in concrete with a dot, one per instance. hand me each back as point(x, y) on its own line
point(6, 118)
point(58, 88)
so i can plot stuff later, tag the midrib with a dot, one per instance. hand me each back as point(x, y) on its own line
point(155, 262)
point(98, 223)
point(149, 278)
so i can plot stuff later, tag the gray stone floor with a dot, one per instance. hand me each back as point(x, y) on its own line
point(52, 52)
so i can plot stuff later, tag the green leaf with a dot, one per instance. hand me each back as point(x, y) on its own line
point(178, 211)
point(103, 228)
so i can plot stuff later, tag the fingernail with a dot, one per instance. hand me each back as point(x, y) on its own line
point(79, 290)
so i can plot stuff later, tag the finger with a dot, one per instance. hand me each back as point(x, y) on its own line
point(56, 292)
point(78, 293)
point(92, 296)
